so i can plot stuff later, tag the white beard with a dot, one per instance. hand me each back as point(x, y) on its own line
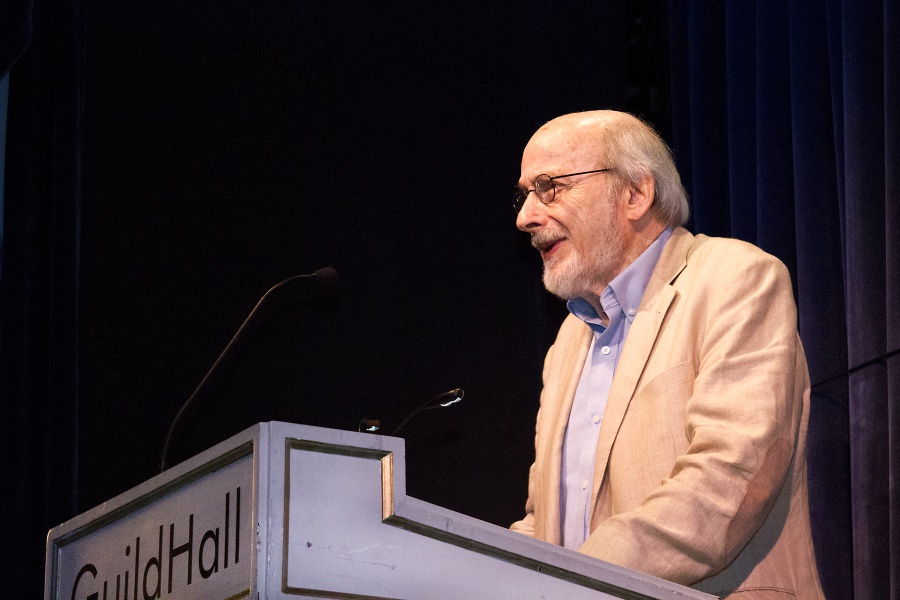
point(579, 276)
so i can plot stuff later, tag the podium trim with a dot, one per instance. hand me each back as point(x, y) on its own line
point(390, 518)
point(86, 524)
point(387, 504)
point(516, 559)
point(232, 456)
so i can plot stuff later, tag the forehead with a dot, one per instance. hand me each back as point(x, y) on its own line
point(560, 147)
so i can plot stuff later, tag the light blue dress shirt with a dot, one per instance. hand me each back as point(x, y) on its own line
point(620, 301)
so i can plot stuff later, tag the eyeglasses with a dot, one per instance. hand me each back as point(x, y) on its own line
point(545, 189)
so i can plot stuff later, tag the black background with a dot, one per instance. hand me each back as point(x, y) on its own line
point(230, 145)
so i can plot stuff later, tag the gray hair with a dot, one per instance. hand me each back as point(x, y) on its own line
point(634, 149)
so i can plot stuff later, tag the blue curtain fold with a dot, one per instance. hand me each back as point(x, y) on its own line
point(892, 269)
point(39, 287)
point(801, 158)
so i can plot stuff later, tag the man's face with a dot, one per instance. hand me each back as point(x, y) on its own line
point(581, 235)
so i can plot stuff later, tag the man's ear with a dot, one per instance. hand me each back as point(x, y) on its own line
point(642, 193)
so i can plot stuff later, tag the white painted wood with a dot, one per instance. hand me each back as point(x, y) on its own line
point(311, 524)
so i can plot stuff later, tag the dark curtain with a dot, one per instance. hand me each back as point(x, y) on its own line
point(38, 285)
point(786, 117)
point(15, 31)
point(227, 146)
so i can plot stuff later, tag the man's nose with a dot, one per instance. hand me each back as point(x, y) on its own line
point(533, 214)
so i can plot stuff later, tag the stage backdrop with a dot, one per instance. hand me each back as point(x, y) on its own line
point(170, 161)
point(787, 127)
point(167, 162)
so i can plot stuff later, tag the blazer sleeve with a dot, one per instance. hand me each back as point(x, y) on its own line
point(526, 525)
point(742, 416)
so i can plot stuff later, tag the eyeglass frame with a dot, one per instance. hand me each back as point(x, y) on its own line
point(521, 196)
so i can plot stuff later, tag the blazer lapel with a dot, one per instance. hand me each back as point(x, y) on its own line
point(641, 338)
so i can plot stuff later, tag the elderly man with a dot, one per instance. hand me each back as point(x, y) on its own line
point(672, 429)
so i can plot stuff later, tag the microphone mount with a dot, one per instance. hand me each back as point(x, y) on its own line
point(281, 296)
point(443, 400)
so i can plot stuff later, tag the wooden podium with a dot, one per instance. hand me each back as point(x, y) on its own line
point(291, 511)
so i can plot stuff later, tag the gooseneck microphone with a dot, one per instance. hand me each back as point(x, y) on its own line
point(292, 291)
point(440, 401)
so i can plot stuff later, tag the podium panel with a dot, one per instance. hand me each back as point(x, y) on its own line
point(290, 511)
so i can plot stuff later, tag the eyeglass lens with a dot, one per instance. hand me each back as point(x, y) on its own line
point(543, 189)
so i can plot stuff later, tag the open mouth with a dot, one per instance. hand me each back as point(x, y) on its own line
point(547, 244)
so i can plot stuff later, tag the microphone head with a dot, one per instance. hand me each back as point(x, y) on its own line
point(447, 398)
point(318, 288)
point(440, 401)
point(328, 278)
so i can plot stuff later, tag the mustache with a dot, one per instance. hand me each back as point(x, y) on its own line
point(543, 238)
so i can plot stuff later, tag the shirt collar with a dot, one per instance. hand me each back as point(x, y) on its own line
point(626, 290)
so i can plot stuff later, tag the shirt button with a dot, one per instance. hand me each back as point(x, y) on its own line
point(596, 418)
point(584, 484)
point(605, 349)
point(631, 311)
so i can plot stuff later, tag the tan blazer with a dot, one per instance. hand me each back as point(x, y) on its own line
point(700, 474)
